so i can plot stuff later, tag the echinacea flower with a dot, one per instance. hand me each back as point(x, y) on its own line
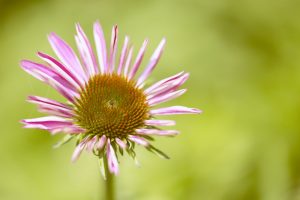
point(108, 107)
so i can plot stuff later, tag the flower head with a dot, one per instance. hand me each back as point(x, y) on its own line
point(108, 109)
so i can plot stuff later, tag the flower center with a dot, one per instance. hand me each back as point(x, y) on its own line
point(111, 105)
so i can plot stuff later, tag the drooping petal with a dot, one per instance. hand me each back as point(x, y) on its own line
point(157, 132)
point(154, 122)
point(153, 62)
point(165, 97)
point(174, 110)
point(79, 148)
point(86, 52)
point(101, 47)
point(61, 69)
point(160, 83)
point(121, 143)
point(51, 107)
point(123, 55)
point(67, 56)
point(52, 124)
point(113, 48)
point(113, 165)
point(138, 60)
point(91, 143)
point(50, 77)
point(101, 142)
point(138, 140)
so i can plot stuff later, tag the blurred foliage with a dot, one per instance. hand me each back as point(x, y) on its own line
point(244, 60)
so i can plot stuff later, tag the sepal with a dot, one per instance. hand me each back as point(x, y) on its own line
point(157, 152)
point(64, 140)
point(102, 168)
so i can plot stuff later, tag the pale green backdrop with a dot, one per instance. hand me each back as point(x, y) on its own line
point(244, 60)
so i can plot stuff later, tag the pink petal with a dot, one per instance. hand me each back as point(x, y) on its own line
point(43, 100)
point(123, 55)
point(50, 77)
point(159, 84)
point(67, 56)
point(86, 52)
point(153, 62)
point(53, 111)
point(121, 143)
point(51, 107)
point(48, 119)
point(61, 69)
point(82, 55)
point(100, 46)
point(128, 61)
point(138, 60)
point(113, 48)
point(169, 87)
point(157, 132)
point(53, 124)
point(138, 140)
point(153, 122)
point(173, 110)
point(113, 165)
point(166, 97)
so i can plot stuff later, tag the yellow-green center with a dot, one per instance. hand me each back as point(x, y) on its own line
point(111, 105)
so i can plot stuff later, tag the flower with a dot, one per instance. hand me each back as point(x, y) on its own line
point(108, 108)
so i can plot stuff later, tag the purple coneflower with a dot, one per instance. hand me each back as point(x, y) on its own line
point(108, 107)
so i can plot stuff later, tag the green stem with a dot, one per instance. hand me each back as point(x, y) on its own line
point(109, 182)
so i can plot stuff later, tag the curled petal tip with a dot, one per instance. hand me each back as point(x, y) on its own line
point(197, 111)
point(78, 27)
point(163, 42)
point(22, 62)
point(51, 35)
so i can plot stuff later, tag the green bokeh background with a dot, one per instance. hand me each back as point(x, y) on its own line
point(244, 60)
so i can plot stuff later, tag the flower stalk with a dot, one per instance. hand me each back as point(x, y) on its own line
point(109, 183)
